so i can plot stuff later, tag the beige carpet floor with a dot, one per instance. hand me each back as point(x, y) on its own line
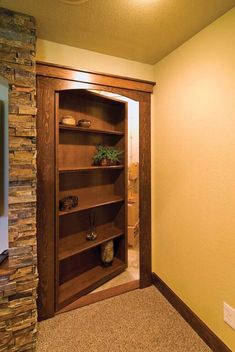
point(140, 320)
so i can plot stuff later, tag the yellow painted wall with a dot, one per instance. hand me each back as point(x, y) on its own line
point(194, 173)
point(193, 168)
point(89, 60)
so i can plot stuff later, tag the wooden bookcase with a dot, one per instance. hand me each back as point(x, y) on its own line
point(60, 89)
point(78, 266)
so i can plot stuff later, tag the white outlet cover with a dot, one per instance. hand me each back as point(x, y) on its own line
point(229, 315)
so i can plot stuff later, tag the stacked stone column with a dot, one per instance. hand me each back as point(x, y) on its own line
point(18, 314)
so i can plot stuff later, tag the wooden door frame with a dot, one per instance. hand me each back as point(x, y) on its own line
point(51, 78)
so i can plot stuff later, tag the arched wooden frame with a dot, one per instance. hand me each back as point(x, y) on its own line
point(50, 79)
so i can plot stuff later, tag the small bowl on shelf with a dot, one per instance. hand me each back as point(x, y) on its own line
point(84, 123)
point(68, 120)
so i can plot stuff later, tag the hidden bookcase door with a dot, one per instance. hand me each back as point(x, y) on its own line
point(68, 264)
point(101, 191)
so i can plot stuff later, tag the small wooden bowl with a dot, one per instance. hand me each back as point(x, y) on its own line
point(84, 123)
point(68, 120)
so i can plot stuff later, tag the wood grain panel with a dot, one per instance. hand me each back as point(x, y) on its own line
point(77, 243)
point(92, 186)
point(88, 281)
point(77, 223)
point(145, 191)
point(93, 189)
point(104, 113)
point(50, 70)
point(78, 150)
point(56, 210)
point(89, 130)
point(45, 200)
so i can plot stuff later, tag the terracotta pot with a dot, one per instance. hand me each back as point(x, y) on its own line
point(104, 162)
point(107, 162)
point(113, 163)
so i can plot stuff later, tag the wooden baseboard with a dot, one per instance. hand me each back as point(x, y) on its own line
point(192, 319)
point(101, 295)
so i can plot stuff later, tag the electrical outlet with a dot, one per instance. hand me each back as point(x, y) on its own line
point(229, 315)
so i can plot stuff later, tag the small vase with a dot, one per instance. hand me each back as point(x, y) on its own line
point(107, 253)
point(92, 234)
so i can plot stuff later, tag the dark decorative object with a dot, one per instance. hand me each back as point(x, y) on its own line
point(68, 203)
point(4, 255)
point(107, 155)
point(92, 234)
point(107, 253)
point(84, 123)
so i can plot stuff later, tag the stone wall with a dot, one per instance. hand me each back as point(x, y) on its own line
point(18, 314)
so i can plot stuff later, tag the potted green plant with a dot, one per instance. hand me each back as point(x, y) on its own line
point(107, 155)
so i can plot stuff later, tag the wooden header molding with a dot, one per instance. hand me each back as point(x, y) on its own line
point(73, 74)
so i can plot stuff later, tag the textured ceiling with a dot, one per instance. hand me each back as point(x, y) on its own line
point(140, 30)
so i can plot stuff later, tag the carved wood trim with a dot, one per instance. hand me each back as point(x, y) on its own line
point(52, 70)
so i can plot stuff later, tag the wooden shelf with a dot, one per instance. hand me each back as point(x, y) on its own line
point(90, 205)
point(89, 168)
point(89, 280)
point(78, 267)
point(77, 243)
point(89, 130)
